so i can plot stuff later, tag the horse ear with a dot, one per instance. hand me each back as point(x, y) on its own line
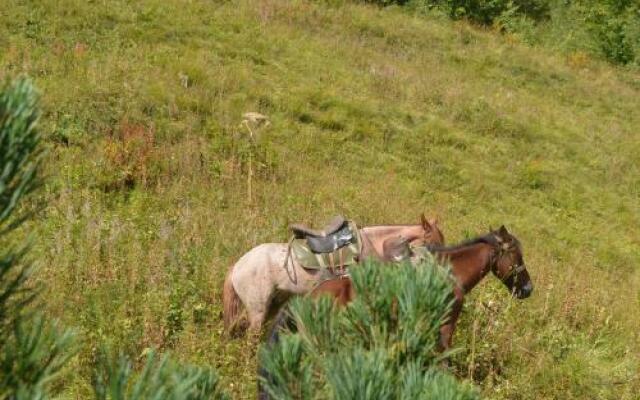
point(504, 237)
point(425, 222)
point(433, 221)
point(503, 231)
point(496, 234)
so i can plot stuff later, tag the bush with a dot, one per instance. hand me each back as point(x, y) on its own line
point(383, 345)
point(609, 28)
point(487, 11)
point(484, 12)
point(612, 25)
point(33, 350)
point(160, 379)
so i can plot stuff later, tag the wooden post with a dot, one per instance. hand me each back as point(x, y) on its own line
point(250, 169)
point(258, 120)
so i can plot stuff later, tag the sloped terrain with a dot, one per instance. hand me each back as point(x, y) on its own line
point(375, 114)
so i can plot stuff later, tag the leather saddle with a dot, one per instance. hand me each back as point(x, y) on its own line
point(332, 237)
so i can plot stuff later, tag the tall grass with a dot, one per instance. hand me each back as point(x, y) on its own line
point(375, 114)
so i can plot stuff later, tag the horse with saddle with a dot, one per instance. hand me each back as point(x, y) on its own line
point(269, 273)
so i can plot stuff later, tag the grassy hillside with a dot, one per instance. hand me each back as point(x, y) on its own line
point(375, 114)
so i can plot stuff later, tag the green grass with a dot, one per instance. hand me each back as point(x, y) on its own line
point(375, 114)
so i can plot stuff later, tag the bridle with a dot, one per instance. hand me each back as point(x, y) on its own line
point(514, 269)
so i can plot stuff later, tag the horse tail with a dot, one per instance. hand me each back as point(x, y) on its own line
point(230, 303)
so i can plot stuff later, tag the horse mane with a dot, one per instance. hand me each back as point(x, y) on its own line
point(488, 238)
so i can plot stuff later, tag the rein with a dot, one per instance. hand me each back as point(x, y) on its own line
point(294, 278)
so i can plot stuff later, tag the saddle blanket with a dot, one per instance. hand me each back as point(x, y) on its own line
point(340, 258)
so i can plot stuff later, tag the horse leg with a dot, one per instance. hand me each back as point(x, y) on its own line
point(446, 330)
point(446, 335)
point(256, 319)
point(266, 309)
point(258, 306)
point(257, 301)
point(253, 282)
point(257, 309)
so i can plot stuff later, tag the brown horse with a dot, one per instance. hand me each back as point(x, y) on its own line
point(498, 252)
point(340, 289)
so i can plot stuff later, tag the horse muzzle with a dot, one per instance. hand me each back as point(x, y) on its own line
point(524, 292)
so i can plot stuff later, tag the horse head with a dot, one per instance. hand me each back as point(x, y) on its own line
point(508, 264)
point(432, 235)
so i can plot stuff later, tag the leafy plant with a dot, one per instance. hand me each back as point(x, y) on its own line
point(32, 350)
point(382, 345)
point(610, 23)
point(160, 379)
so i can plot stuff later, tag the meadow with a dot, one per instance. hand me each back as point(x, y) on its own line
point(377, 114)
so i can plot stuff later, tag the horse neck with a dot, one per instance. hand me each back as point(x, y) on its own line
point(374, 236)
point(469, 263)
point(383, 232)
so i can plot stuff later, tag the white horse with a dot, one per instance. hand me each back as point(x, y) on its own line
point(261, 274)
